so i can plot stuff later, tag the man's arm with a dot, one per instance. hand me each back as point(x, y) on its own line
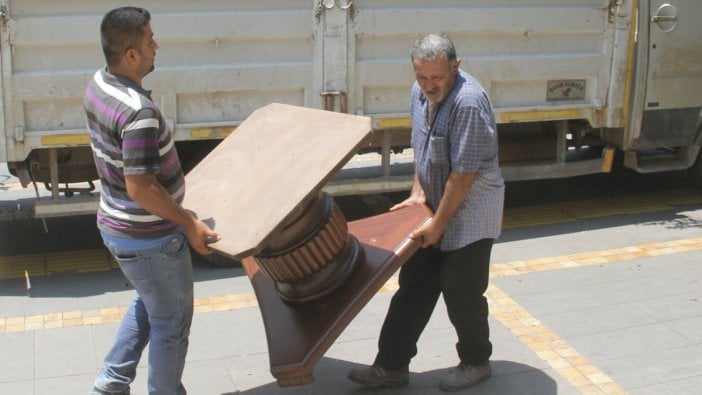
point(457, 188)
point(416, 196)
point(152, 197)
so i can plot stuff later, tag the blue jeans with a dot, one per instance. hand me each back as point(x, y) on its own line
point(161, 272)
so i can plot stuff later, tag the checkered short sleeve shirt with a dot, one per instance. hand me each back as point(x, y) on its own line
point(462, 138)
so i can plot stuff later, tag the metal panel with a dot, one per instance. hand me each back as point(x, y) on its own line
point(218, 61)
point(513, 48)
point(675, 55)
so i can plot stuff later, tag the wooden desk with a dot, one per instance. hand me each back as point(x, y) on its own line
point(312, 272)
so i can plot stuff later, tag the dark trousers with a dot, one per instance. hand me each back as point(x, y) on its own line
point(462, 276)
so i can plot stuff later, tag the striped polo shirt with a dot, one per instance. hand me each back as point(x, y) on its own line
point(129, 136)
point(461, 138)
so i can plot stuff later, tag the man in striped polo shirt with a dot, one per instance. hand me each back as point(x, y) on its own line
point(140, 217)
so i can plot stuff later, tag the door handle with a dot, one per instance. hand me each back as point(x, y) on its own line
point(666, 17)
point(660, 18)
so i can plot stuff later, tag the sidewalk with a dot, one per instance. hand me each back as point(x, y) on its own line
point(603, 305)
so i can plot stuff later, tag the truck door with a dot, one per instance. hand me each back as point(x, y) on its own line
point(674, 79)
point(675, 55)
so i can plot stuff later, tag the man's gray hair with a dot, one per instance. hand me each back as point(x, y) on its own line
point(433, 46)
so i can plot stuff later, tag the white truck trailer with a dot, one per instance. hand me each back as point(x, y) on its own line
point(573, 82)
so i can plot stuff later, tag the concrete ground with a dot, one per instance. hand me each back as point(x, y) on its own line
point(580, 303)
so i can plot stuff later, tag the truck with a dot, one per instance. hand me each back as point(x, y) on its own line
point(575, 84)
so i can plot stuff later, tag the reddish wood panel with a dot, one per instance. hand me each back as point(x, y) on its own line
point(299, 335)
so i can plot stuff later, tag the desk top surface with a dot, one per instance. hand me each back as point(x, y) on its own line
point(274, 162)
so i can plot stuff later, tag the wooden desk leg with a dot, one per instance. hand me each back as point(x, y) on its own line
point(299, 334)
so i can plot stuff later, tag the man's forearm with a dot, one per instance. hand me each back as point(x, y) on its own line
point(152, 197)
point(457, 188)
point(417, 192)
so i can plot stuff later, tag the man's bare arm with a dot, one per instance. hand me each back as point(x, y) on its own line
point(416, 196)
point(457, 188)
point(152, 197)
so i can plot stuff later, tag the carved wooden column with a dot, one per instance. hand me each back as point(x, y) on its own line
point(312, 272)
point(313, 254)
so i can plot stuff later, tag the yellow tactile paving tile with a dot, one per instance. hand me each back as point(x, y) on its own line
point(114, 314)
point(564, 360)
point(248, 300)
point(56, 262)
point(679, 196)
point(15, 266)
point(572, 366)
point(601, 207)
point(225, 303)
point(86, 261)
point(534, 215)
point(595, 257)
point(99, 259)
point(611, 206)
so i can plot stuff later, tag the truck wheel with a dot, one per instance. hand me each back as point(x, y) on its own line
point(695, 171)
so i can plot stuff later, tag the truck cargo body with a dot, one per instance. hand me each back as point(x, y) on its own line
point(573, 82)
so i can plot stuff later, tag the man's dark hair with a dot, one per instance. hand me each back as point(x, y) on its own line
point(121, 29)
point(433, 46)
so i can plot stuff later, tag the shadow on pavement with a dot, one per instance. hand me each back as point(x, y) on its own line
point(330, 378)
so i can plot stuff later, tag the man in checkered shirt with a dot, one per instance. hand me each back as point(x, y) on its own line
point(454, 138)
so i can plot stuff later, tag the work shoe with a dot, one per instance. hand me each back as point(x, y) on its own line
point(465, 376)
point(98, 391)
point(376, 377)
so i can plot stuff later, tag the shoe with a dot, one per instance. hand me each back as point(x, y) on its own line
point(377, 377)
point(465, 376)
point(98, 391)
